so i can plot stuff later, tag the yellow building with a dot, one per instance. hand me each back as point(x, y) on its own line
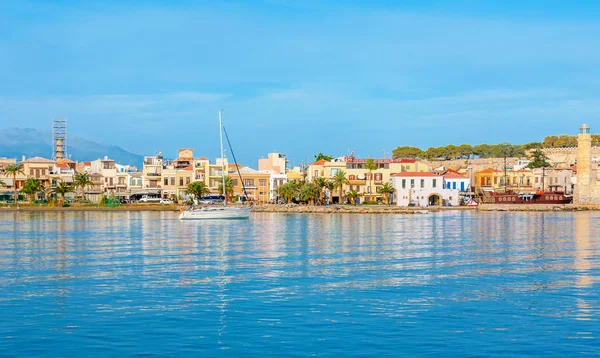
point(367, 183)
point(493, 179)
point(256, 183)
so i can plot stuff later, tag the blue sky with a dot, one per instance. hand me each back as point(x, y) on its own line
point(301, 77)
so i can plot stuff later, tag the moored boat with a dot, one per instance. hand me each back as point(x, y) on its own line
point(539, 197)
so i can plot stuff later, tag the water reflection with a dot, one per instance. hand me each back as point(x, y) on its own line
point(246, 284)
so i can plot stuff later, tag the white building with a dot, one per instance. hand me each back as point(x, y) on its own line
point(276, 181)
point(453, 180)
point(423, 189)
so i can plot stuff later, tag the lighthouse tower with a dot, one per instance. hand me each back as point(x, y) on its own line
point(584, 189)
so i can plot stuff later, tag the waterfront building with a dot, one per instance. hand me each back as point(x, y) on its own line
point(152, 172)
point(256, 183)
point(275, 162)
point(366, 183)
point(107, 169)
point(9, 186)
point(423, 189)
point(276, 180)
point(38, 167)
point(455, 180)
point(550, 179)
point(63, 170)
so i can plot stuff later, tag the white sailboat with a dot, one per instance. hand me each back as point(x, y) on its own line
point(217, 212)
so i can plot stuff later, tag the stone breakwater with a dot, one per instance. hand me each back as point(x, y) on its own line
point(341, 209)
point(382, 209)
point(538, 207)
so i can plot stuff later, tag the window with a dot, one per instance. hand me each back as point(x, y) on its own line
point(180, 181)
point(332, 171)
point(412, 183)
point(422, 183)
point(248, 182)
point(351, 177)
point(378, 176)
point(403, 183)
point(434, 183)
point(454, 185)
point(187, 180)
point(495, 180)
point(166, 181)
point(316, 173)
point(262, 182)
point(234, 182)
point(172, 180)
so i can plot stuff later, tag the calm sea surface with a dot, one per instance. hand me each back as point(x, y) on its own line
point(446, 284)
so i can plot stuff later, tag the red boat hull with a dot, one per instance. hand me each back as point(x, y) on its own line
point(542, 198)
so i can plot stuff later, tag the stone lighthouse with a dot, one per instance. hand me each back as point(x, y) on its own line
point(584, 190)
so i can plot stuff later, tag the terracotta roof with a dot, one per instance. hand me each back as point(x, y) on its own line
point(188, 168)
point(320, 162)
point(38, 160)
point(62, 165)
point(489, 170)
point(415, 174)
point(185, 159)
point(202, 158)
point(87, 163)
point(453, 175)
point(382, 160)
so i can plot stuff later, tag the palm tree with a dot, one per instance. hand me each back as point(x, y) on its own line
point(81, 181)
point(353, 195)
point(310, 192)
point(198, 189)
point(2, 183)
point(31, 187)
point(322, 184)
point(386, 190)
point(14, 170)
point(330, 187)
point(370, 165)
point(288, 191)
point(228, 188)
point(62, 189)
point(339, 180)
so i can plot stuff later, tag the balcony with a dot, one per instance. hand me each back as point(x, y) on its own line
point(356, 182)
point(152, 174)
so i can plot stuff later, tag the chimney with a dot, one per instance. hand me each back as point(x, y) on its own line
point(23, 158)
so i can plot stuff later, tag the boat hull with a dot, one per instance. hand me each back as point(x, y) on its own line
point(544, 198)
point(215, 213)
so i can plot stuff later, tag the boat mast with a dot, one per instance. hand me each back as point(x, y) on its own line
point(222, 156)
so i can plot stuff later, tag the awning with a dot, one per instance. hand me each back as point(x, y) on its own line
point(7, 182)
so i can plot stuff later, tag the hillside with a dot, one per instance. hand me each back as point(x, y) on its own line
point(16, 142)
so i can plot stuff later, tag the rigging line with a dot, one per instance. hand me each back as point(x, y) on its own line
point(236, 164)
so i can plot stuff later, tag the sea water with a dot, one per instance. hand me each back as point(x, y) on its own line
point(84, 284)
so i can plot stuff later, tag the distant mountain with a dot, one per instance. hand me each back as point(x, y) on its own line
point(16, 142)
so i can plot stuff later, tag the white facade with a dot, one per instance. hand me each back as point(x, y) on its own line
point(457, 181)
point(423, 189)
point(276, 181)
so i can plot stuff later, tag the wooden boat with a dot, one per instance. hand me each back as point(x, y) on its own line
point(539, 197)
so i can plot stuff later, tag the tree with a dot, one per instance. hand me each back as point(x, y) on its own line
point(387, 189)
point(330, 187)
point(228, 188)
point(198, 189)
point(31, 187)
point(82, 180)
point(310, 192)
point(289, 191)
point(339, 180)
point(370, 165)
point(2, 183)
point(14, 170)
point(324, 157)
point(538, 160)
point(532, 145)
point(62, 189)
point(322, 184)
point(407, 152)
point(353, 195)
